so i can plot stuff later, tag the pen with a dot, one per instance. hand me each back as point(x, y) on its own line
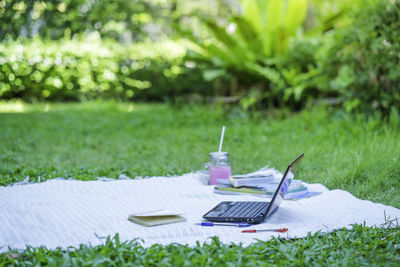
point(282, 230)
point(224, 224)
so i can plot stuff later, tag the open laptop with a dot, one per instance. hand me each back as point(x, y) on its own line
point(252, 212)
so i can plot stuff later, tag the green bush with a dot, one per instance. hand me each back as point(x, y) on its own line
point(262, 53)
point(92, 68)
point(245, 45)
point(58, 18)
point(362, 62)
point(121, 20)
point(357, 64)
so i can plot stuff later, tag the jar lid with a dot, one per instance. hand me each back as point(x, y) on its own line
point(219, 155)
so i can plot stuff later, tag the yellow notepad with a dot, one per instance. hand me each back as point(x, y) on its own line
point(157, 217)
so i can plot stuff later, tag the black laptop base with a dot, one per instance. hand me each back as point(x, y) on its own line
point(238, 211)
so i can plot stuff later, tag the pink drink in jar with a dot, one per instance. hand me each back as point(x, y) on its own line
point(219, 167)
point(219, 172)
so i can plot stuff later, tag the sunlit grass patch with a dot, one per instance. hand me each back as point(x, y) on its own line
point(12, 107)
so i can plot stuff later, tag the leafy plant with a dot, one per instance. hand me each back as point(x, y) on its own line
point(271, 53)
point(58, 18)
point(255, 51)
point(362, 61)
point(248, 40)
point(121, 20)
point(92, 68)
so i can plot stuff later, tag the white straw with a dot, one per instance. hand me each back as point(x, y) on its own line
point(222, 138)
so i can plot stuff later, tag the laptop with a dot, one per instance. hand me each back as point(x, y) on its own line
point(252, 212)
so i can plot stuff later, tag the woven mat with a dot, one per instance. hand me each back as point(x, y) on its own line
point(62, 213)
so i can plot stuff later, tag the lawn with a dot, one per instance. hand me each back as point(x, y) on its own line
point(107, 139)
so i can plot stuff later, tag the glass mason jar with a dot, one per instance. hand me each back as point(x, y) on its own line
point(219, 167)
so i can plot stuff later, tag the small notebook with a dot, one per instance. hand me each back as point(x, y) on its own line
point(156, 217)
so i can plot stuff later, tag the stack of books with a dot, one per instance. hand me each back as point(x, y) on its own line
point(261, 185)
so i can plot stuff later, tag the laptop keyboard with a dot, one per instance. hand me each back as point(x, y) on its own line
point(244, 209)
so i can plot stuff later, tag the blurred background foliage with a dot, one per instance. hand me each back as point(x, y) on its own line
point(255, 54)
point(89, 68)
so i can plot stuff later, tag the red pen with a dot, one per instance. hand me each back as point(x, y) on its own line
point(282, 230)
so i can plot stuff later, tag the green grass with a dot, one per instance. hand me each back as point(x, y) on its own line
point(96, 139)
point(360, 246)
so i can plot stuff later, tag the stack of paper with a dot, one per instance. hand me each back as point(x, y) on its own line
point(255, 180)
point(264, 186)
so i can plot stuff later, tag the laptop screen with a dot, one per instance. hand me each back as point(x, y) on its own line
point(283, 185)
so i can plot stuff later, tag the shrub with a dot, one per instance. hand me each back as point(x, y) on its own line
point(362, 61)
point(122, 20)
point(355, 59)
point(91, 68)
point(256, 54)
point(245, 41)
point(58, 18)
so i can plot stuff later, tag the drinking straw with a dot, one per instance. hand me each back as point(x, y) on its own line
point(222, 139)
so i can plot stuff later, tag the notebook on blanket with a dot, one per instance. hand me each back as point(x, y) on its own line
point(157, 217)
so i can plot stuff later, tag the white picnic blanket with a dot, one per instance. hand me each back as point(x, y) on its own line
point(62, 213)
